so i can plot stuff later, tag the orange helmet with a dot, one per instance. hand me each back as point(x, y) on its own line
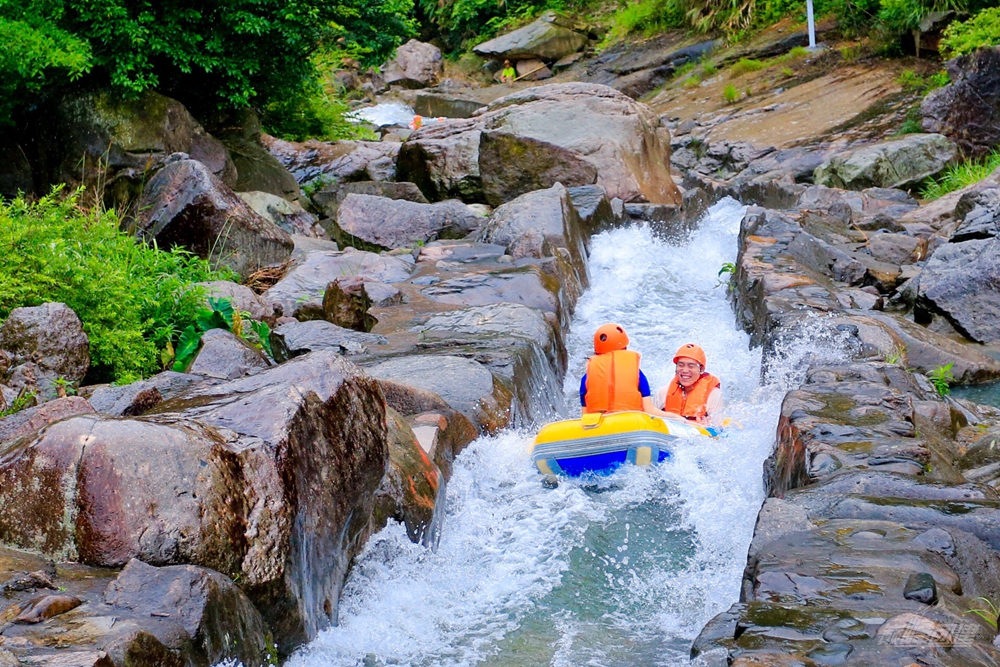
point(609, 338)
point(692, 351)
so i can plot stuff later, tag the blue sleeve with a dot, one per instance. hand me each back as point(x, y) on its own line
point(644, 386)
point(583, 391)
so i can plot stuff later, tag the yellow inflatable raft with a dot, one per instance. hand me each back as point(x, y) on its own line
point(600, 443)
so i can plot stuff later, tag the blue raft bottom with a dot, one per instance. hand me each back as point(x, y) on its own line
point(598, 464)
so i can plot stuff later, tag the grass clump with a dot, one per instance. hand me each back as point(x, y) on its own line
point(958, 176)
point(787, 72)
point(132, 299)
point(745, 66)
point(730, 94)
point(646, 17)
point(692, 81)
point(709, 69)
point(798, 53)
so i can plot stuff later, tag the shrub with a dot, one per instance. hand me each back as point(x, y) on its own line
point(958, 176)
point(745, 65)
point(132, 299)
point(730, 94)
point(692, 81)
point(963, 37)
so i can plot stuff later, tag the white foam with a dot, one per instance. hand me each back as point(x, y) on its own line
point(622, 572)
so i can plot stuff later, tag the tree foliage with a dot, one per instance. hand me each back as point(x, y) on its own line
point(231, 52)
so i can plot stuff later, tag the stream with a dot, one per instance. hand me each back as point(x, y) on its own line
point(614, 572)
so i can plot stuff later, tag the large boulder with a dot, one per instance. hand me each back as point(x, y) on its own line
point(380, 223)
point(898, 163)
point(549, 37)
point(185, 205)
point(968, 109)
point(44, 345)
point(416, 65)
point(114, 141)
point(208, 609)
point(961, 281)
point(330, 197)
point(545, 131)
point(269, 480)
point(289, 215)
point(300, 293)
point(338, 160)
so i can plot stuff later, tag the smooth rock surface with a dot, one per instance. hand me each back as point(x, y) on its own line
point(297, 338)
point(897, 163)
point(960, 281)
point(380, 223)
point(225, 356)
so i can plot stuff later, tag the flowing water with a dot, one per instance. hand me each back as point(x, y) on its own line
point(621, 571)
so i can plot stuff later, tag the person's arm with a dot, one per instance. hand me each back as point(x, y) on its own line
point(648, 406)
point(583, 394)
point(715, 405)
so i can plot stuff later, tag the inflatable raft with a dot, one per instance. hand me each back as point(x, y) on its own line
point(600, 443)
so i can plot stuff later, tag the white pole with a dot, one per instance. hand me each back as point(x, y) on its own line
point(812, 24)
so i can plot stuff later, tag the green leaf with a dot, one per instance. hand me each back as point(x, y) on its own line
point(187, 347)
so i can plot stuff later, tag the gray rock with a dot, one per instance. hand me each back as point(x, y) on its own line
point(544, 38)
point(594, 208)
point(307, 244)
point(416, 65)
point(241, 297)
point(920, 587)
point(290, 216)
point(35, 418)
point(524, 286)
point(443, 160)
point(466, 385)
point(337, 160)
point(300, 293)
point(132, 400)
point(897, 163)
point(225, 356)
point(43, 344)
point(384, 224)
point(820, 256)
point(896, 248)
point(330, 197)
point(979, 211)
point(966, 109)
point(505, 319)
point(208, 608)
point(297, 338)
point(960, 282)
point(185, 205)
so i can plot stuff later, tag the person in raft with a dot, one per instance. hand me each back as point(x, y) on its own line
point(693, 393)
point(613, 381)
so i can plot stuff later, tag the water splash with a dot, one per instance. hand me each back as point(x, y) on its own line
point(622, 571)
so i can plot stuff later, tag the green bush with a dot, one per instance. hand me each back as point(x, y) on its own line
point(958, 176)
point(133, 300)
point(208, 52)
point(730, 94)
point(646, 17)
point(963, 37)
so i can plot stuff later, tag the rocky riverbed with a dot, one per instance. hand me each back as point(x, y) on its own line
point(420, 296)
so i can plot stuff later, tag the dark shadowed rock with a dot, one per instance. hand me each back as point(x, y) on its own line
point(30, 420)
point(346, 304)
point(967, 109)
point(960, 282)
point(540, 165)
point(412, 487)
point(43, 344)
point(213, 613)
point(330, 197)
point(897, 163)
point(298, 338)
point(594, 208)
point(118, 141)
point(225, 356)
point(185, 205)
point(338, 160)
point(300, 293)
point(289, 215)
point(442, 159)
point(383, 224)
point(416, 65)
point(549, 37)
point(257, 170)
point(242, 298)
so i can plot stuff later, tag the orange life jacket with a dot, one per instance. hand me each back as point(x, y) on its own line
point(691, 403)
point(613, 382)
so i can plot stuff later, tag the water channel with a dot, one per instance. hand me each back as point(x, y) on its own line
point(621, 571)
